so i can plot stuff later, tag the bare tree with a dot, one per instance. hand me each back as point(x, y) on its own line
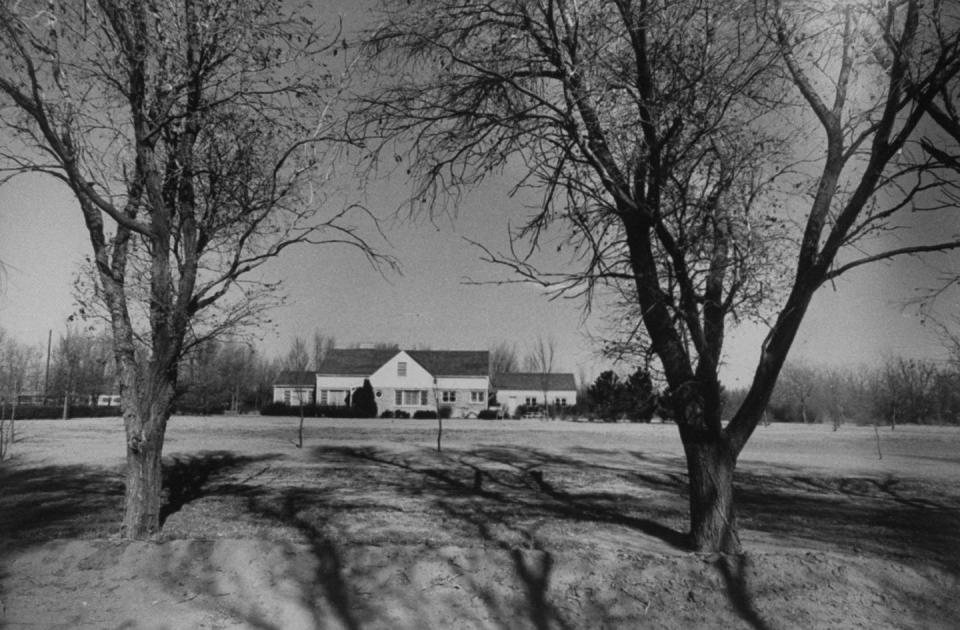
point(191, 135)
point(297, 361)
point(322, 344)
point(798, 382)
point(503, 358)
point(539, 360)
point(706, 162)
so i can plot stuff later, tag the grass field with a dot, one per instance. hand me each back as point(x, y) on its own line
point(515, 524)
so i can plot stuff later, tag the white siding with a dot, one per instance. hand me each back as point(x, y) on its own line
point(510, 399)
point(339, 382)
point(292, 395)
point(387, 376)
point(464, 382)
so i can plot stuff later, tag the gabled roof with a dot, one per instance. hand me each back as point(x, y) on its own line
point(533, 381)
point(295, 378)
point(453, 362)
point(364, 362)
point(354, 361)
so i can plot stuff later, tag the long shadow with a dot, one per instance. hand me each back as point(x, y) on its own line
point(876, 517)
point(43, 503)
point(525, 490)
point(328, 579)
point(734, 569)
point(188, 478)
point(465, 488)
point(47, 502)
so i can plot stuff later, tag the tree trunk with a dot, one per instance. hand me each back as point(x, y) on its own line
point(147, 407)
point(144, 481)
point(710, 466)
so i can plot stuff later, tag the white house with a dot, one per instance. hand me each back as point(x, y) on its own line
point(294, 388)
point(408, 380)
point(522, 388)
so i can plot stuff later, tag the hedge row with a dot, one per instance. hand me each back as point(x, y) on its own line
point(311, 411)
point(55, 412)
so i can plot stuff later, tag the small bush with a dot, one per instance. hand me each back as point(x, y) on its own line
point(400, 413)
point(387, 414)
point(364, 401)
point(425, 414)
point(487, 414)
point(446, 411)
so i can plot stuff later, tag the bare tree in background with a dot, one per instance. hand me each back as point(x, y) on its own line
point(297, 361)
point(322, 344)
point(539, 360)
point(706, 162)
point(192, 136)
point(503, 358)
point(798, 382)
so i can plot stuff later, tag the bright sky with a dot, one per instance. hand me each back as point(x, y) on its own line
point(333, 291)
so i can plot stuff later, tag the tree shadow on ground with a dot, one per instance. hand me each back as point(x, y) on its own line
point(869, 516)
point(45, 502)
point(328, 582)
point(495, 494)
point(518, 485)
point(493, 486)
point(188, 478)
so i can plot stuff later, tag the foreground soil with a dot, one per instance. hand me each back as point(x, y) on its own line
point(513, 525)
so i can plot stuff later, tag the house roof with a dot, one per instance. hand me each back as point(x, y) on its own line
point(453, 362)
point(534, 381)
point(354, 361)
point(364, 362)
point(295, 378)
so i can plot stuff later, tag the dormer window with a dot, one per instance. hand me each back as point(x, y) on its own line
point(401, 368)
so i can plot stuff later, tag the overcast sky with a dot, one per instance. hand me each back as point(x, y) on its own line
point(333, 291)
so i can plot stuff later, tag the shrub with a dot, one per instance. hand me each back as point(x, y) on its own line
point(387, 414)
point(364, 401)
point(446, 411)
point(425, 414)
point(523, 410)
point(400, 413)
point(487, 414)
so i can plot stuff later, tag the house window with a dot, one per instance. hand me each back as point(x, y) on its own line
point(286, 396)
point(411, 398)
point(560, 402)
point(333, 397)
point(477, 396)
point(448, 396)
point(401, 368)
point(531, 401)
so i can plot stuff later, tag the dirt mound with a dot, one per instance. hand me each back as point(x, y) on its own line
point(239, 583)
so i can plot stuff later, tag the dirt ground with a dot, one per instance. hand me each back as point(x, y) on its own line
point(516, 524)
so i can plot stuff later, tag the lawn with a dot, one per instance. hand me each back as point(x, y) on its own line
point(515, 524)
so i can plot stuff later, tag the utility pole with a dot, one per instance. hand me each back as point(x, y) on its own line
point(46, 374)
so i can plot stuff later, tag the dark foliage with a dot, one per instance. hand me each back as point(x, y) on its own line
point(364, 401)
point(311, 411)
point(55, 412)
point(633, 398)
point(424, 414)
